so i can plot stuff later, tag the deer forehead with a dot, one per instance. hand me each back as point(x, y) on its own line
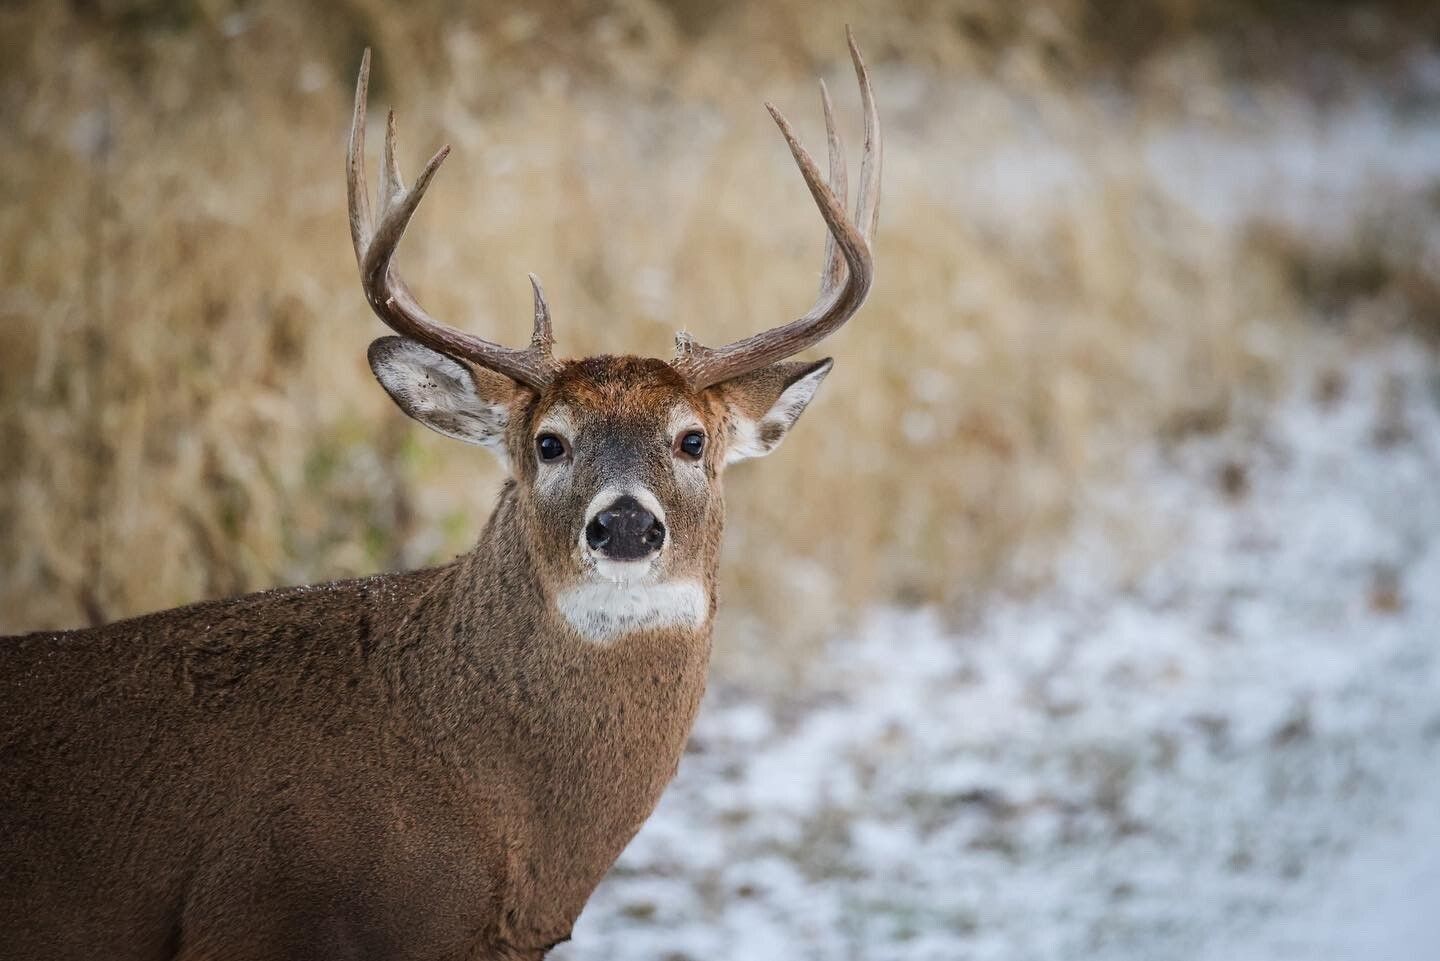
point(669, 423)
point(634, 392)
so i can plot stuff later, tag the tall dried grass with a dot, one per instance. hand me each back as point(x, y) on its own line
point(184, 401)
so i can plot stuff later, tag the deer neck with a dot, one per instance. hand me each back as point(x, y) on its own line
point(591, 732)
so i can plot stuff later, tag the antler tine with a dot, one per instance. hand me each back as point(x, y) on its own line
point(834, 261)
point(847, 252)
point(387, 293)
point(357, 189)
point(392, 186)
point(867, 203)
point(541, 337)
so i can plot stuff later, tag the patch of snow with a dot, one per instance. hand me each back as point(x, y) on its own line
point(1278, 160)
point(1201, 760)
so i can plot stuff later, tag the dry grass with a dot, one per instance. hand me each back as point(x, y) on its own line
point(184, 401)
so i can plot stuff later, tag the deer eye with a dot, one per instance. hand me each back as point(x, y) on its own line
point(692, 444)
point(549, 447)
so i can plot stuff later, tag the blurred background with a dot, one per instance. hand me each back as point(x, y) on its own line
point(1092, 607)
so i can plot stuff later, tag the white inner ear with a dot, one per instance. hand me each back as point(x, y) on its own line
point(439, 393)
point(756, 438)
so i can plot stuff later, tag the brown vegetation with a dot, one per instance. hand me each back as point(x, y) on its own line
point(184, 400)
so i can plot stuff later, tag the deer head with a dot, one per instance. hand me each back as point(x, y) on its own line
point(614, 462)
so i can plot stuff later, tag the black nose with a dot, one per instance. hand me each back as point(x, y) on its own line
point(625, 531)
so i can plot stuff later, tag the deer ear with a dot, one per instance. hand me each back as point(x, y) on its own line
point(766, 403)
point(458, 400)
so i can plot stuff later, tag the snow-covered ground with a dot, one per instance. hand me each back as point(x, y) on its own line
point(1231, 750)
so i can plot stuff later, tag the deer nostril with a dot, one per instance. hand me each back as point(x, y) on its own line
point(597, 532)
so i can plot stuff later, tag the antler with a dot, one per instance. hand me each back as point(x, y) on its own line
point(849, 268)
point(389, 297)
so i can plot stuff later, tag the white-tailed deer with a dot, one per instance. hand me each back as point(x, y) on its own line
point(435, 764)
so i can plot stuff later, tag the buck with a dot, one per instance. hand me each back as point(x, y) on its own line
point(434, 764)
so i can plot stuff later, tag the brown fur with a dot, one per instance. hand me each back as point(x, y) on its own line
point(424, 765)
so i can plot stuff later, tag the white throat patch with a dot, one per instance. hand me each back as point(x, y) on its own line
point(605, 610)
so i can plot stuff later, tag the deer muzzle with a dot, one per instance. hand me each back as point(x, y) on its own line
point(625, 530)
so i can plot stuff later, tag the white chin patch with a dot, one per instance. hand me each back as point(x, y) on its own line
point(606, 609)
point(621, 572)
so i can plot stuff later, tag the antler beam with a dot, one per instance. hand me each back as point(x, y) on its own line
point(377, 238)
point(849, 268)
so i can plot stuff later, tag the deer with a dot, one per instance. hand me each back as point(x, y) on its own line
point(433, 764)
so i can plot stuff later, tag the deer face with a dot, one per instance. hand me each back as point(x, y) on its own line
point(616, 461)
point(617, 465)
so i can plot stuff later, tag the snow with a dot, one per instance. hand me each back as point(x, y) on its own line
point(1229, 750)
point(1278, 159)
